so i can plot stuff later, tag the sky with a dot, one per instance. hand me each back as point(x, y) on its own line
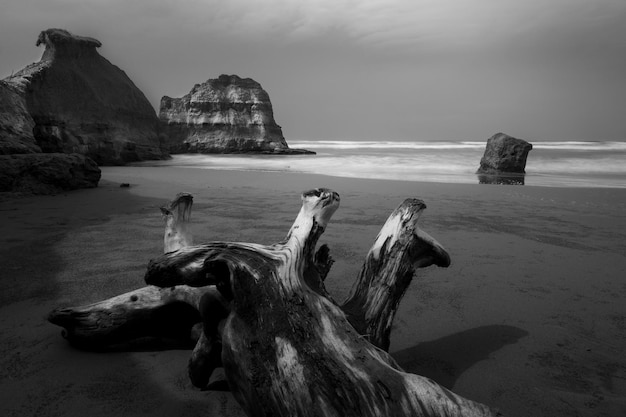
point(366, 69)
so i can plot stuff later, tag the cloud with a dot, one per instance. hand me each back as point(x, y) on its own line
point(398, 22)
point(370, 23)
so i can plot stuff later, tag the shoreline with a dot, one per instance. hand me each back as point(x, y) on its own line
point(396, 166)
point(527, 319)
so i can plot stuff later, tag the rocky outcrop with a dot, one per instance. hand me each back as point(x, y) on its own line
point(224, 115)
point(23, 168)
point(49, 173)
point(504, 154)
point(16, 125)
point(78, 102)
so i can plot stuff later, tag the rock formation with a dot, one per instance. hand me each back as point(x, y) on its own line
point(224, 115)
point(75, 101)
point(16, 125)
point(49, 173)
point(23, 168)
point(504, 155)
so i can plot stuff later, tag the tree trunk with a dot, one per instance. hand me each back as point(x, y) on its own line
point(287, 348)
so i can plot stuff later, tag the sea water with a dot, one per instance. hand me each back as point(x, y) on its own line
point(555, 164)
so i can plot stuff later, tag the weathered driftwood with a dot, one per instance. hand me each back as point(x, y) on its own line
point(286, 346)
point(149, 312)
point(400, 248)
point(288, 350)
point(177, 215)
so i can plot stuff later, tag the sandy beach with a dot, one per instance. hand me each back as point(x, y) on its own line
point(530, 318)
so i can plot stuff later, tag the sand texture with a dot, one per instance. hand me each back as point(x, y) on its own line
point(530, 317)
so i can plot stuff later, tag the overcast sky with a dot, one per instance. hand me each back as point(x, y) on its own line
point(367, 69)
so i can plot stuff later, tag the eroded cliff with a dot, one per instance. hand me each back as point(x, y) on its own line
point(228, 114)
point(81, 103)
point(16, 124)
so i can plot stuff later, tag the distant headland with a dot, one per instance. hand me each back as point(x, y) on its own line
point(75, 102)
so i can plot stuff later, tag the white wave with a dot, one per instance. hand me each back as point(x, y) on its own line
point(588, 146)
point(347, 144)
point(339, 144)
point(578, 166)
point(548, 167)
point(411, 168)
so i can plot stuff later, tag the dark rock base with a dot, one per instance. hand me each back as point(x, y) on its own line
point(48, 173)
point(501, 179)
point(285, 151)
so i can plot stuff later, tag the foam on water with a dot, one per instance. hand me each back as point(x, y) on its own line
point(582, 146)
point(559, 164)
point(345, 144)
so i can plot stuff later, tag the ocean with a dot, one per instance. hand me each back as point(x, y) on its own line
point(552, 164)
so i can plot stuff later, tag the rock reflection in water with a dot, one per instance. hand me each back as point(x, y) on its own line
point(506, 179)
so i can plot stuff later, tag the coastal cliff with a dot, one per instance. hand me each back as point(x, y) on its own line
point(75, 101)
point(23, 166)
point(224, 115)
point(16, 124)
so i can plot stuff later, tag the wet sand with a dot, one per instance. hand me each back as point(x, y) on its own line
point(530, 317)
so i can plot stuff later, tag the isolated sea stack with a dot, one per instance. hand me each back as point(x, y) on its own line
point(78, 102)
point(224, 115)
point(504, 154)
point(504, 161)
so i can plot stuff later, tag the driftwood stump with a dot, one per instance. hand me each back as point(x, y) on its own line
point(286, 347)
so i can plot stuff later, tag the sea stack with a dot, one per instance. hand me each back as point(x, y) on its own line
point(78, 102)
point(504, 154)
point(228, 114)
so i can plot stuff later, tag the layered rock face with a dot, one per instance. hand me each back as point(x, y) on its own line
point(49, 173)
point(224, 115)
point(81, 103)
point(504, 154)
point(23, 168)
point(16, 124)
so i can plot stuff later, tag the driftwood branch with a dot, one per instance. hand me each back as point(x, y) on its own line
point(400, 248)
point(287, 348)
point(177, 215)
point(149, 312)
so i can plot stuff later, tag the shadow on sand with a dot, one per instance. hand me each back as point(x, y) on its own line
point(445, 359)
